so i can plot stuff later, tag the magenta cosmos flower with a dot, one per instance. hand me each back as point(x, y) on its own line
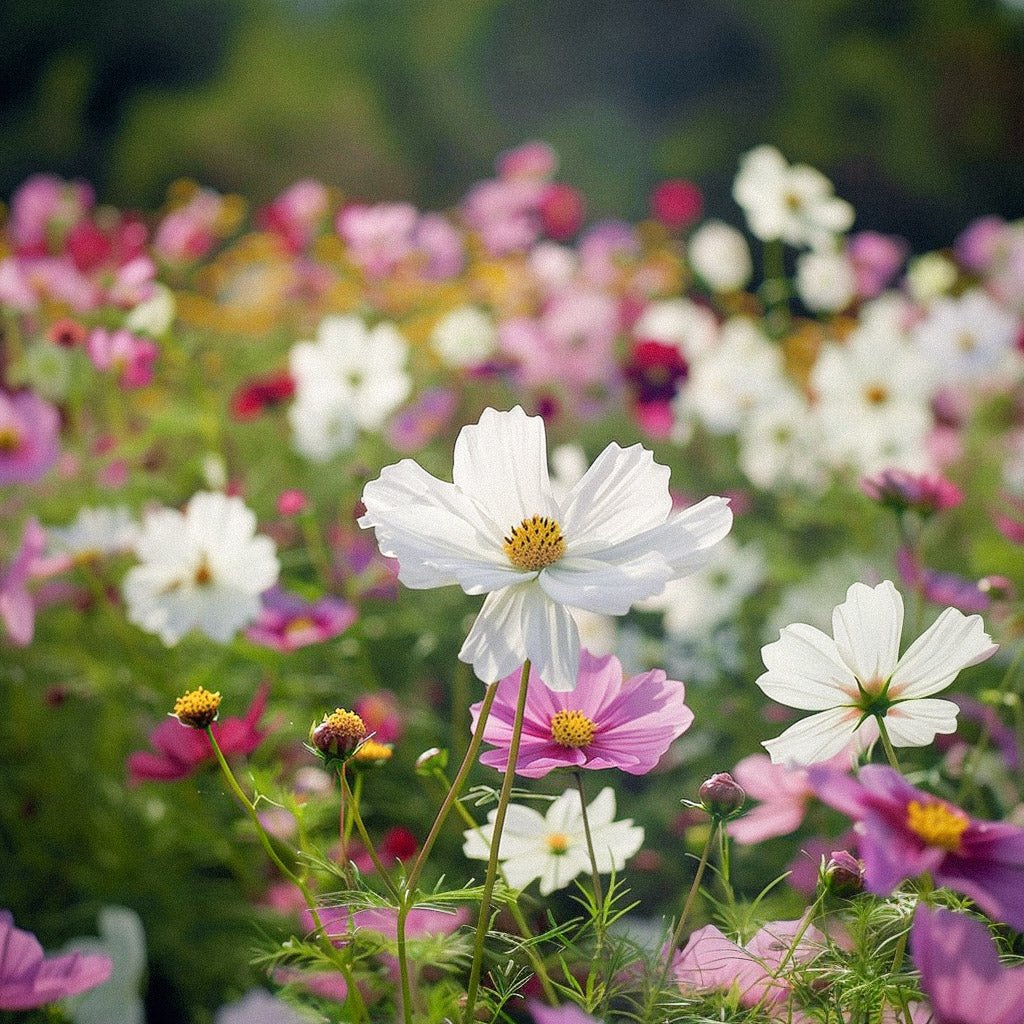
point(960, 970)
point(29, 979)
point(904, 832)
point(180, 750)
point(28, 437)
point(566, 1014)
point(606, 722)
point(287, 621)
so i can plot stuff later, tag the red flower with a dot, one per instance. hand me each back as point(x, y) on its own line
point(181, 751)
point(258, 394)
point(676, 203)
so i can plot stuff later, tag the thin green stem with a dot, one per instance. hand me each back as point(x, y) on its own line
point(598, 888)
point(516, 911)
point(890, 752)
point(492, 861)
point(328, 947)
point(353, 803)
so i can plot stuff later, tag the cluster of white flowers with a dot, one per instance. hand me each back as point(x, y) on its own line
point(350, 378)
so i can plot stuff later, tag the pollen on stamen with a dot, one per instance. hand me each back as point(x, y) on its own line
point(535, 543)
point(572, 729)
point(937, 824)
point(197, 708)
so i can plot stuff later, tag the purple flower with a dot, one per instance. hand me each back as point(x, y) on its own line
point(566, 1014)
point(29, 979)
point(942, 588)
point(923, 492)
point(981, 243)
point(606, 722)
point(416, 425)
point(960, 970)
point(28, 437)
point(904, 832)
point(876, 258)
point(288, 622)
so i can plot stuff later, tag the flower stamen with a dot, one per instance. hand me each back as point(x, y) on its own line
point(937, 824)
point(572, 729)
point(535, 543)
point(558, 842)
point(197, 708)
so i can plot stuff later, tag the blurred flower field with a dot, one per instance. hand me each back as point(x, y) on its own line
point(495, 614)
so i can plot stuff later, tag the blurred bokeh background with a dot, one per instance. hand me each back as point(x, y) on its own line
point(914, 107)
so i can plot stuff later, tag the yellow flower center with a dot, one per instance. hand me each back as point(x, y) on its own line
point(299, 627)
point(372, 752)
point(535, 543)
point(572, 729)
point(197, 708)
point(558, 842)
point(204, 574)
point(876, 394)
point(937, 824)
point(10, 440)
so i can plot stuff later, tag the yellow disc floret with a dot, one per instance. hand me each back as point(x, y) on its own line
point(373, 753)
point(572, 729)
point(937, 824)
point(197, 708)
point(558, 842)
point(338, 734)
point(535, 543)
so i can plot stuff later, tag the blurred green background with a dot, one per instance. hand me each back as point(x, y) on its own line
point(915, 107)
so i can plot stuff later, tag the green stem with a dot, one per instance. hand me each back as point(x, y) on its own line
point(322, 937)
point(353, 803)
point(691, 897)
point(890, 752)
point(598, 888)
point(483, 920)
point(516, 911)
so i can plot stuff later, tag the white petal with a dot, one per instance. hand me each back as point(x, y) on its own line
point(915, 723)
point(686, 541)
point(434, 531)
point(496, 645)
point(615, 843)
point(805, 671)
point(521, 871)
point(601, 810)
point(600, 587)
point(625, 492)
point(558, 870)
point(815, 738)
point(867, 627)
point(502, 463)
point(552, 639)
point(931, 663)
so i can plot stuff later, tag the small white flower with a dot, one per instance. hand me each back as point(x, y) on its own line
point(96, 532)
point(499, 530)
point(858, 676)
point(154, 316)
point(202, 569)
point(780, 443)
point(349, 379)
point(930, 276)
point(966, 338)
point(467, 336)
point(680, 323)
point(825, 281)
point(720, 256)
point(794, 203)
point(553, 846)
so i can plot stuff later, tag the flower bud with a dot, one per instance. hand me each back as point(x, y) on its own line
point(197, 709)
point(338, 735)
point(721, 795)
point(844, 874)
point(431, 761)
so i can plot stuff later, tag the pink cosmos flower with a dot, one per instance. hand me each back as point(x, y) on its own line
point(960, 970)
point(379, 712)
point(566, 1014)
point(296, 213)
point(904, 832)
point(876, 258)
point(378, 237)
point(981, 243)
point(784, 794)
point(29, 979)
point(17, 609)
point(605, 249)
point(505, 213)
point(44, 209)
point(606, 722)
point(189, 232)
point(121, 350)
point(712, 962)
point(180, 751)
point(677, 203)
point(28, 437)
point(288, 621)
point(561, 208)
point(440, 246)
point(533, 159)
point(921, 492)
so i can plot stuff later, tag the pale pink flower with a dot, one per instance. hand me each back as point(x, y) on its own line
point(131, 356)
point(287, 621)
point(378, 237)
point(28, 437)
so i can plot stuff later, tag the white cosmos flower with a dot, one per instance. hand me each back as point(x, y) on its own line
point(203, 569)
point(553, 846)
point(794, 203)
point(720, 256)
point(859, 674)
point(466, 336)
point(499, 530)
